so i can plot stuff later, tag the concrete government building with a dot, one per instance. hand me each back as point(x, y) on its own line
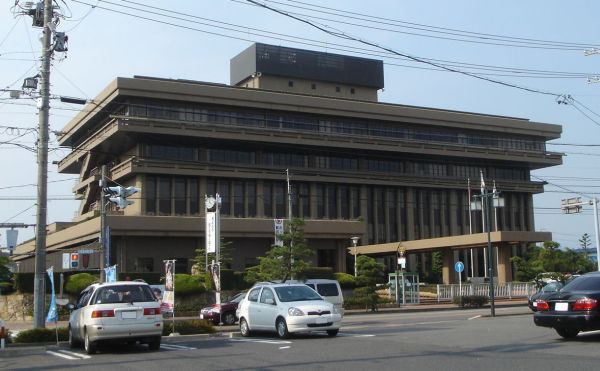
point(390, 174)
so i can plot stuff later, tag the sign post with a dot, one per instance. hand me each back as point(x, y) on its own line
point(459, 267)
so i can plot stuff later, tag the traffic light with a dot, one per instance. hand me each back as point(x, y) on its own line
point(74, 260)
point(119, 195)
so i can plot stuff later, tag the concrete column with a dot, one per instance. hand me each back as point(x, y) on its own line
point(448, 275)
point(504, 266)
point(454, 207)
point(410, 214)
point(260, 203)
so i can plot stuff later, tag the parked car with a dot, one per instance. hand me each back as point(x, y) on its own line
point(287, 308)
point(543, 293)
point(330, 290)
point(223, 313)
point(573, 309)
point(115, 311)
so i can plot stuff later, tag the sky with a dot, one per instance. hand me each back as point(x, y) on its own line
point(534, 51)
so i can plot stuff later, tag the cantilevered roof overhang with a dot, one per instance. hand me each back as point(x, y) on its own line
point(467, 241)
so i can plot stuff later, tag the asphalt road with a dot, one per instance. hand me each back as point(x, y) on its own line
point(445, 340)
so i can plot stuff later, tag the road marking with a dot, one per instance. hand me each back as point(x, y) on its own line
point(387, 325)
point(468, 319)
point(68, 355)
point(262, 341)
point(286, 347)
point(176, 347)
point(355, 335)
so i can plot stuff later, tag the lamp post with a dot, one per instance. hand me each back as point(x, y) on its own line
point(400, 263)
point(354, 243)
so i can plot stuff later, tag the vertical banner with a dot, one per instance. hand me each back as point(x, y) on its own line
point(11, 239)
point(110, 273)
point(215, 268)
point(278, 223)
point(211, 245)
point(52, 312)
point(168, 302)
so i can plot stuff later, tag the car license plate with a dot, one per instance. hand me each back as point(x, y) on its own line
point(561, 307)
point(321, 320)
point(201, 316)
point(129, 314)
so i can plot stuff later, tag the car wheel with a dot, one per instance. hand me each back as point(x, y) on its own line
point(567, 333)
point(244, 328)
point(88, 345)
point(229, 318)
point(282, 329)
point(333, 333)
point(72, 342)
point(155, 343)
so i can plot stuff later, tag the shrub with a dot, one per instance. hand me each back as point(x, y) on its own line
point(42, 335)
point(186, 284)
point(77, 282)
point(346, 280)
point(188, 327)
point(6, 288)
point(470, 301)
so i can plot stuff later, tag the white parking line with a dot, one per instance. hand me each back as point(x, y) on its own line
point(262, 341)
point(474, 317)
point(355, 335)
point(176, 347)
point(68, 355)
point(286, 347)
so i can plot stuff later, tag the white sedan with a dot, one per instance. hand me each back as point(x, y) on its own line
point(285, 309)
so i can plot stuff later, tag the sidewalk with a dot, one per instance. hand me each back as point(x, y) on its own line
point(408, 308)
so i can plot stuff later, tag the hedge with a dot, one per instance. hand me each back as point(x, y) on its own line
point(470, 301)
point(42, 335)
point(347, 281)
point(186, 284)
point(77, 282)
point(188, 327)
point(24, 281)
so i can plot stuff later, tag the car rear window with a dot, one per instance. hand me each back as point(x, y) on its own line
point(124, 294)
point(583, 283)
point(327, 289)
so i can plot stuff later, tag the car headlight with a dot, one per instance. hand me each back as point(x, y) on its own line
point(336, 310)
point(295, 312)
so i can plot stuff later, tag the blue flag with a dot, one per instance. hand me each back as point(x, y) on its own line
point(52, 312)
point(111, 273)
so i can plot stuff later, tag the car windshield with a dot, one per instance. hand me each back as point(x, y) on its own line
point(296, 293)
point(583, 283)
point(124, 294)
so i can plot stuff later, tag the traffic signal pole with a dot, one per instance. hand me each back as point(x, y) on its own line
point(42, 174)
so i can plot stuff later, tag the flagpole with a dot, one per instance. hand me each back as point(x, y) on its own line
point(483, 211)
point(470, 223)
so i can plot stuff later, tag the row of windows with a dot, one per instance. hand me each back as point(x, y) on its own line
point(334, 162)
point(314, 123)
point(386, 208)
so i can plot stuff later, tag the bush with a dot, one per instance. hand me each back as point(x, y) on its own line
point(186, 284)
point(77, 282)
point(6, 288)
point(188, 327)
point(470, 301)
point(318, 272)
point(42, 335)
point(346, 280)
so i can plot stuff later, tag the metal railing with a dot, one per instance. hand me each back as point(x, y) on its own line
point(507, 290)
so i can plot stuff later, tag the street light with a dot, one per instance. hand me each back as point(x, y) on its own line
point(354, 243)
point(400, 263)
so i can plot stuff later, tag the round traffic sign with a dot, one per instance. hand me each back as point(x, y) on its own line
point(459, 267)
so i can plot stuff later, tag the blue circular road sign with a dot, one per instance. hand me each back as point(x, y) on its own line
point(459, 267)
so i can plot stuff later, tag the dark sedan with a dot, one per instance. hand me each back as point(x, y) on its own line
point(546, 291)
point(573, 309)
point(223, 313)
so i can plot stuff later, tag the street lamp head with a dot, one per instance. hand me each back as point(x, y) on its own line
point(354, 240)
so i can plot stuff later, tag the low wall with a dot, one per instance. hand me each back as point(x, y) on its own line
point(16, 307)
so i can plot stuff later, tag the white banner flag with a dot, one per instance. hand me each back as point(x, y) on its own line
point(278, 231)
point(211, 224)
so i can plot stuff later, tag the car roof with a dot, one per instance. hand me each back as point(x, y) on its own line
point(278, 284)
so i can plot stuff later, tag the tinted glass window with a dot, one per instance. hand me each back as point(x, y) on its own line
point(296, 293)
point(253, 295)
point(589, 283)
point(312, 286)
point(327, 289)
point(124, 294)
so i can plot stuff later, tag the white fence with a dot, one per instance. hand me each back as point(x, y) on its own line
point(506, 290)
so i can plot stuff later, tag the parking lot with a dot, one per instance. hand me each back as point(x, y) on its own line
point(435, 340)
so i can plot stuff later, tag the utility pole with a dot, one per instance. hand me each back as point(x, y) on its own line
point(104, 256)
point(42, 173)
point(289, 191)
point(575, 205)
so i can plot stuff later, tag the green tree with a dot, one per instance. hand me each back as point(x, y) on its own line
point(5, 273)
point(200, 260)
point(286, 261)
point(585, 241)
point(549, 257)
point(369, 274)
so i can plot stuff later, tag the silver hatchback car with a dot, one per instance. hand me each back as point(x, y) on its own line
point(124, 311)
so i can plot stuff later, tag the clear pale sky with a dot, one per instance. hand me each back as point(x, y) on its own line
point(105, 44)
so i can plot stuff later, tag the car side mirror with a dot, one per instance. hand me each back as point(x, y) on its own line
point(70, 306)
point(270, 301)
